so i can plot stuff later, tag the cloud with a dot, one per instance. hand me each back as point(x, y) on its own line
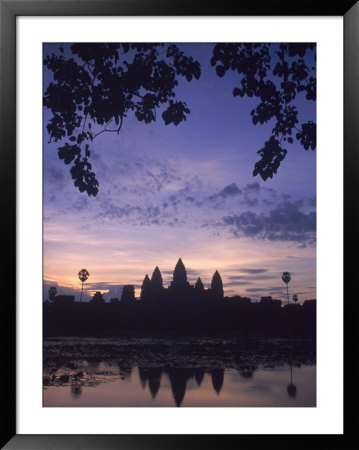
point(267, 202)
point(277, 288)
point(251, 202)
point(55, 174)
point(264, 277)
point(237, 283)
point(144, 191)
point(253, 270)
point(286, 222)
point(230, 191)
point(252, 187)
point(247, 223)
point(238, 277)
point(112, 211)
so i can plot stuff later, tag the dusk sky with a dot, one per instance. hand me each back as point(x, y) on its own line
point(185, 191)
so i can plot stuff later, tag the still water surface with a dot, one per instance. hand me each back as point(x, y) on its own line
point(187, 372)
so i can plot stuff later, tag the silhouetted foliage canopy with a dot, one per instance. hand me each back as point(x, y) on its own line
point(292, 390)
point(286, 277)
point(52, 293)
point(275, 74)
point(95, 86)
point(83, 275)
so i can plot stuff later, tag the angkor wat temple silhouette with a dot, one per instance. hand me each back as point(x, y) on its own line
point(181, 307)
point(180, 293)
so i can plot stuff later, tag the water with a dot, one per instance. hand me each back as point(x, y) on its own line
point(186, 372)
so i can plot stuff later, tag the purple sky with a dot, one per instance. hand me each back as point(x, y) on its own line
point(187, 191)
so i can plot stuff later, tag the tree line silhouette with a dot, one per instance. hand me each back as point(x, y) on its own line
point(181, 307)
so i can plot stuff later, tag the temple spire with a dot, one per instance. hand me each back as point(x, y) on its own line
point(145, 288)
point(217, 285)
point(199, 287)
point(156, 280)
point(179, 275)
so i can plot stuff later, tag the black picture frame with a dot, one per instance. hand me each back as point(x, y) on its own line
point(9, 10)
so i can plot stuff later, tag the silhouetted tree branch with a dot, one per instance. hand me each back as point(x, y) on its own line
point(97, 84)
point(100, 83)
point(275, 74)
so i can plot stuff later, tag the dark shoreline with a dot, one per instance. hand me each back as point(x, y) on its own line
point(164, 352)
point(58, 334)
point(224, 319)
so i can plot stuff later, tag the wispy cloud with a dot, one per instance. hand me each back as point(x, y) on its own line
point(252, 187)
point(238, 283)
point(286, 222)
point(254, 270)
point(231, 190)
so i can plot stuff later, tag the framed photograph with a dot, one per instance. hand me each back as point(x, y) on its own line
point(172, 225)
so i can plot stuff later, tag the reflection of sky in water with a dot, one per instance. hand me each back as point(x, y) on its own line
point(186, 371)
point(113, 386)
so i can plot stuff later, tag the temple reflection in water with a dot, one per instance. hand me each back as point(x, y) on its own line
point(179, 372)
point(178, 378)
point(150, 378)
